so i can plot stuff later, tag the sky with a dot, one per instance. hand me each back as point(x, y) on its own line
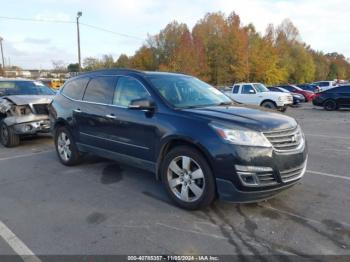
point(323, 24)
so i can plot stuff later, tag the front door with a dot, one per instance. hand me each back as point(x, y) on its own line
point(132, 132)
point(248, 95)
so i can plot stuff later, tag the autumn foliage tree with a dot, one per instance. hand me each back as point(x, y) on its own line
point(221, 50)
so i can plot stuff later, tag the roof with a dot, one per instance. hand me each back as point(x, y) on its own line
point(124, 70)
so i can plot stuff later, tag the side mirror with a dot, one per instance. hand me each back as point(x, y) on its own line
point(142, 104)
point(251, 91)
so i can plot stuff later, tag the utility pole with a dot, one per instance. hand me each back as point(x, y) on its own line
point(79, 14)
point(2, 54)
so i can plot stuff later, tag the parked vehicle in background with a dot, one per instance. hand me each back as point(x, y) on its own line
point(325, 85)
point(310, 87)
point(334, 98)
point(257, 94)
point(23, 110)
point(294, 89)
point(297, 98)
point(185, 131)
point(52, 83)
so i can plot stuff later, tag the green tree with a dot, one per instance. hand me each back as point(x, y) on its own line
point(73, 67)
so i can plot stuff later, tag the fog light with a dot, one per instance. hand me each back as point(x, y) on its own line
point(253, 168)
point(248, 174)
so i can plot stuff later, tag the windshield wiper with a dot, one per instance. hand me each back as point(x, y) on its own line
point(196, 106)
point(225, 104)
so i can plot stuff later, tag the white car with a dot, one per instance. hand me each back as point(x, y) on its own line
point(325, 85)
point(258, 94)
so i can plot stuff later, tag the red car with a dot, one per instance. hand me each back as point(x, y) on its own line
point(307, 94)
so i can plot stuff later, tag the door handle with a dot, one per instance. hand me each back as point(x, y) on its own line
point(77, 110)
point(111, 116)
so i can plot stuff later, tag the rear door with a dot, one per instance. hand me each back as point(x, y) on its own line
point(94, 114)
point(343, 94)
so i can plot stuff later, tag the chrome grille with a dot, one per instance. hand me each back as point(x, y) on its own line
point(285, 140)
point(293, 173)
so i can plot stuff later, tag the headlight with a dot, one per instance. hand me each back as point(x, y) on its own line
point(241, 137)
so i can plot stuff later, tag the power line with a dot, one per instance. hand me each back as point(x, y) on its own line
point(112, 32)
point(69, 22)
point(36, 20)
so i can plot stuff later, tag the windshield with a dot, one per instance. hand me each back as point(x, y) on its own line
point(283, 90)
point(186, 92)
point(297, 88)
point(8, 88)
point(260, 88)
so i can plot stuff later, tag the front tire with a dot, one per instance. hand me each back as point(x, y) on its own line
point(8, 136)
point(269, 104)
point(188, 179)
point(66, 148)
point(330, 105)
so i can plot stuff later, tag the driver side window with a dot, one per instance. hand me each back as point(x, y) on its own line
point(248, 89)
point(127, 90)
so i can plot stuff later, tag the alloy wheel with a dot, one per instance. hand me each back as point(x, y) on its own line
point(63, 146)
point(186, 179)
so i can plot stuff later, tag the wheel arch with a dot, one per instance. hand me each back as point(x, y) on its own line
point(173, 142)
point(268, 100)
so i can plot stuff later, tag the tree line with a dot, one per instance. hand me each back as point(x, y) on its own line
point(220, 50)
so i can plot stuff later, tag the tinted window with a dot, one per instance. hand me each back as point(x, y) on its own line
point(323, 84)
point(247, 89)
point(100, 90)
point(128, 89)
point(75, 89)
point(24, 88)
point(235, 89)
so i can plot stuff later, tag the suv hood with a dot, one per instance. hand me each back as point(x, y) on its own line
point(247, 117)
point(29, 99)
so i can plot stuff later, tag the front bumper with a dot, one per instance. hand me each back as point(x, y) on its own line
point(227, 191)
point(31, 128)
point(251, 174)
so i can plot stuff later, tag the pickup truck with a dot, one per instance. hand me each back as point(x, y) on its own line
point(325, 85)
point(258, 94)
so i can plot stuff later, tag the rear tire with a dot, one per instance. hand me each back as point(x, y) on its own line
point(187, 178)
point(8, 136)
point(330, 105)
point(66, 148)
point(269, 104)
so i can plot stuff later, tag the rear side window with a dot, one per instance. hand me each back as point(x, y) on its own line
point(235, 89)
point(324, 84)
point(75, 89)
point(247, 89)
point(128, 89)
point(101, 89)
